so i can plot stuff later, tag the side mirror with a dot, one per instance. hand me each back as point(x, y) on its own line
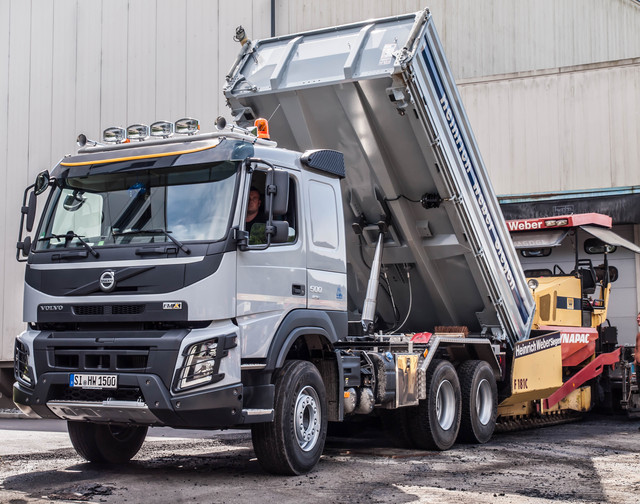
point(42, 182)
point(31, 211)
point(281, 234)
point(278, 185)
point(597, 246)
point(25, 246)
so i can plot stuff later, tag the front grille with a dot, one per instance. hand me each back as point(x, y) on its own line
point(89, 310)
point(132, 361)
point(125, 309)
point(104, 359)
point(66, 393)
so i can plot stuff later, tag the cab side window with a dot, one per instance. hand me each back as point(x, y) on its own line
point(257, 216)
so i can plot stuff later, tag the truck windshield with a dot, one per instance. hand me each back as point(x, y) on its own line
point(191, 203)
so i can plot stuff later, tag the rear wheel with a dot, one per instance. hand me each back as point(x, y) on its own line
point(293, 442)
point(106, 443)
point(479, 401)
point(436, 421)
point(396, 425)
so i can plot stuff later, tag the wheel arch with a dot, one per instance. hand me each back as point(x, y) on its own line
point(310, 335)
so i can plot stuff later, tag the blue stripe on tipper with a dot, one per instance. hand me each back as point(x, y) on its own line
point(474, 181)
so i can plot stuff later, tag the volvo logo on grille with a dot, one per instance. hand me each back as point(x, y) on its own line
point(108, 281)
point(48, 307)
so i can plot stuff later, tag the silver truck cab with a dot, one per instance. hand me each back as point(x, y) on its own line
point(151, 302)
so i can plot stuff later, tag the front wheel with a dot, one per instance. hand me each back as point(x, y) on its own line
point(293, 443)
point(435, 422)
point(113, 444)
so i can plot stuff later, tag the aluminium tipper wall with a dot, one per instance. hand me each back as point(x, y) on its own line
point(381, 92)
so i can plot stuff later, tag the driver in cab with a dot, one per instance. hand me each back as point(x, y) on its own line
point(254, 222)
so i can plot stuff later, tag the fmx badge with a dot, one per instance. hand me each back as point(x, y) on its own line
point(172, 306)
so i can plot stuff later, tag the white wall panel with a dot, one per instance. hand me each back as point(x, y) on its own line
point(88, 68)
point(561, 130)
point(114, 75)
point(16, 169)
point(141, 63)
point(63, 85)
point(5, 207)
point(171, 63)
point(493, 37)
point(202, 72)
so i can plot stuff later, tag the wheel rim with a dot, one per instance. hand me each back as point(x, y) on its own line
point(445, 405)
point(307, 418)
point(484, 402)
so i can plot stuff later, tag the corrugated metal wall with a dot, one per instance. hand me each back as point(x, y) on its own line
point(79, 66)
point(565, 129)
point(491, 37)
point(74, 66)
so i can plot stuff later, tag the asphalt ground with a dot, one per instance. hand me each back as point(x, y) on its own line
point(596, 460)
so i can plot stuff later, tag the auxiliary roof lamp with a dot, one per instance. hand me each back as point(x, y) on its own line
point(138, 132)
point(187, 126)
point(162, 129)
point(114, 135)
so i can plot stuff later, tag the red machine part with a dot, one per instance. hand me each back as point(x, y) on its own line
point(591, 370)
point(578, 343)
point(562, 221)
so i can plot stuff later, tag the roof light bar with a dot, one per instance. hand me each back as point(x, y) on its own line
point(114, 135)
point(187, 126)
point(162, 129)
point(137, 132)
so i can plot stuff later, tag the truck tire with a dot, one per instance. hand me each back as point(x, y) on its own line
point(435, 422)
point(292, 444)
point(396, 426)
point(113, 444)
point(479, 402)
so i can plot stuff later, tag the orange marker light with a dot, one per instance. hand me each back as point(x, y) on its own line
point(263, 128)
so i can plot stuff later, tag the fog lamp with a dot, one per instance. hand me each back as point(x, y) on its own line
point(199, 364)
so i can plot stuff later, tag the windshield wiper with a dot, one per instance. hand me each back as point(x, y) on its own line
point(178, 243)
point(70, 235)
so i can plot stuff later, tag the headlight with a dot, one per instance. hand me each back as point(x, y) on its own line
point(532, 283)
point(200, 364)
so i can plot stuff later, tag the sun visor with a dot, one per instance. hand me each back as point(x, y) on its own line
point(608, 236)
point(538, 239)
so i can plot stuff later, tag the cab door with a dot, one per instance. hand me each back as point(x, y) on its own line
point(271, 282)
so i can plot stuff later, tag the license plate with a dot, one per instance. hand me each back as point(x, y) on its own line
point(93, 381)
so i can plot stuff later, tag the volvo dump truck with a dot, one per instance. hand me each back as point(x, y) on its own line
point(377, 275)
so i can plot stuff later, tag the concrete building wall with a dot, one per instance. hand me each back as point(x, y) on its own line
point(79, 66)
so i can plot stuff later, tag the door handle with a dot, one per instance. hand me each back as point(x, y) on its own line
point(297, 290)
